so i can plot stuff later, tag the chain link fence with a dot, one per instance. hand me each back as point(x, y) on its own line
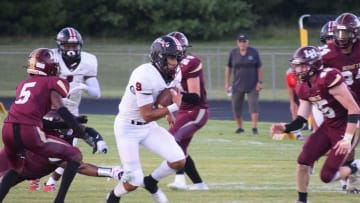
point(117, 62)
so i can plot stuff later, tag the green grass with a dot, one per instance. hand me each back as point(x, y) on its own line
point(237, 168)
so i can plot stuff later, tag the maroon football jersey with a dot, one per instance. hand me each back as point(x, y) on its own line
point(191, 67)
point(33, 99)
point(349, 65)
point(318, 94)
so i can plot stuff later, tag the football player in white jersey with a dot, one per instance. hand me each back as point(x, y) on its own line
point(79, 68)
point(136, 125)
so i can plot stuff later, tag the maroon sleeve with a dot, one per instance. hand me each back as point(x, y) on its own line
point(59, 85)
point(191, 66)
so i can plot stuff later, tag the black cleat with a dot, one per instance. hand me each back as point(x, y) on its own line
point(111, 198)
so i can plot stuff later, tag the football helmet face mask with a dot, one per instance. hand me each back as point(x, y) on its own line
point(306, 61)
point(42, 62)
point(162, 48)
point(69, 43)
point(182, 39)
point(346, 30)
point(327, 31)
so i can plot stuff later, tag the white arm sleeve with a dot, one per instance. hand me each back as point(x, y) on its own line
point(93, 87)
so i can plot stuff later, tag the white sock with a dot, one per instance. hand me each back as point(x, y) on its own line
point(119, 190)
point(162, 171)
point(343, 182)
point(51, 181)
point(180, 178)
point(59, 171)
point(336, 176)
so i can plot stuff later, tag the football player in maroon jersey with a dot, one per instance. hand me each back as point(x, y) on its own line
point(22, 129)
point(325, 88)
point(37, 165)
point(344, 55)
point(192, 114)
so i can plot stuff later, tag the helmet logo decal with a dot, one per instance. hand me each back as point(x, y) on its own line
point(310, 53)
point(40, 65)
point(162, 42)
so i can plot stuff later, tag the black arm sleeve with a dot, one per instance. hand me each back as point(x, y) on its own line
point(70, 121)
point(54, 125)
point(191, 98)
point(298, 124)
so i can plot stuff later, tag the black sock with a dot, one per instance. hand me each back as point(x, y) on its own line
point(353, 168)
point(112, 198)
point(150, 184)
point(191, 171)
point(180, 172)
point(68, 176)
point(7, 182)
point(303, 196)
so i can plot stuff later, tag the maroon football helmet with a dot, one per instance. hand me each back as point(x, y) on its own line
point(346, 30)
point(42, 62)
point(309, 56)
point(181, 38)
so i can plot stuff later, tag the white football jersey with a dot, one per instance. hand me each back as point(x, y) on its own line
point(144, 80)
point(88, 67)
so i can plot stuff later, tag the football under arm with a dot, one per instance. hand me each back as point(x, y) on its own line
point(148, 113)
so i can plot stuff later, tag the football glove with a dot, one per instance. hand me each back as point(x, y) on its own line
point(95, 140)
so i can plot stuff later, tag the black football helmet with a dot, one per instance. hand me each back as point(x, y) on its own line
point(160, 49)
point(346, 30)
point(309, 56)
point(327, 31)
point(69, 43)
point(42, 62)
point(182, 39)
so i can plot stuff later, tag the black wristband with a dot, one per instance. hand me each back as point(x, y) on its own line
point(54, 125)
point(191, 98)
point(298, 124)
point(70, 120)
point(353, 118)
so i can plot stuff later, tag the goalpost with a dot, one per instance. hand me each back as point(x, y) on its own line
point(2, 109)
point(315, 19)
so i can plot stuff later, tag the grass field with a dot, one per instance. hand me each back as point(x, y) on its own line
point(237, 168)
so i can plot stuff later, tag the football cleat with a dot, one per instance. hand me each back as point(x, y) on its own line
point(198, 186)
point(353, 179)
point(353, 191)
point(177, 186)
point(179, 182)
point(49, 188)
point(160, 197)
point(34, 185)
point(111, 198)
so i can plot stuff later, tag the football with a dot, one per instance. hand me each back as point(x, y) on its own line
point(54, 116)
point(164, 98)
